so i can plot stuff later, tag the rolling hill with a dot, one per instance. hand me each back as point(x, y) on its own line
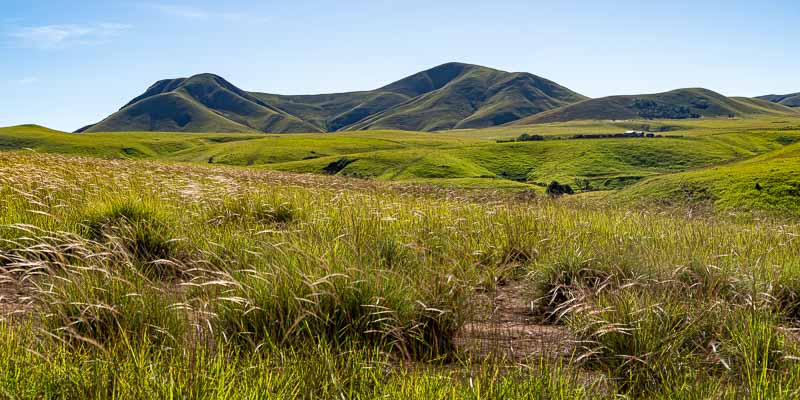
point(789, 100)
point(456, 158)
point(467, 96)
point(202, 103)
point(452, 95)
point(768, 182)
point(676, 104)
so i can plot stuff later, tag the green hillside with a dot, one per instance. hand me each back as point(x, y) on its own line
point(769, 182)
point(202, 103)
point(452, 95)
point(789, 100)
point(224, 148)
point(606, 164)
point(676, 104)
point(459, 158)
point(466, 96)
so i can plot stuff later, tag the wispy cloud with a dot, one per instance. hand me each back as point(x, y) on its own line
point(60, 36)
point(24, 81)
point(196, 13)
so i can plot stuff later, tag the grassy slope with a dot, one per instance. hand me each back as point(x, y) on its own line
point(469, 97)
point(789, 100)
point(176, 112)
point(677, 104)
point(286, 286)
point(234, 149)
point(461, 158)
point(111, 145)
point(769, 182)
point(285, 148)
point(608, 164)
point(332, 112)
point(202, 103)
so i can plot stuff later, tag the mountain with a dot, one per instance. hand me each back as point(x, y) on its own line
point(789, 100)
point(677, 104)
point(449, 96)
point(202, 103)
point(466, 96)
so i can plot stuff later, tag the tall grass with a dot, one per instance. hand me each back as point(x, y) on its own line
point(188, 278)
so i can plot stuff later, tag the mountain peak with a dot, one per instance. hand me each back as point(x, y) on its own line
point(208, 79)
point(169, 85)
point(451, 95)
point(206, 75)
point(456, 67)
point(429, 80)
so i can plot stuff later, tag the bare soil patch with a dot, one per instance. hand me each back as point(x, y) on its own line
point(505, 326)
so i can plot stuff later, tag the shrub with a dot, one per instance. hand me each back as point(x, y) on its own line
point(651, 109)
point(529, 138)
point(584, 185)
point(556, 189)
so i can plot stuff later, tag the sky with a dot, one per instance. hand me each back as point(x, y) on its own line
point(67, 63)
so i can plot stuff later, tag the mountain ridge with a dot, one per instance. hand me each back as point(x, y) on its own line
point(676, 104)
point(789, 100)
point(451, 95)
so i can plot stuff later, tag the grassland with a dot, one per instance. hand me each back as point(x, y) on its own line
point(768, 182)
point(459, 158)
point(140, 279)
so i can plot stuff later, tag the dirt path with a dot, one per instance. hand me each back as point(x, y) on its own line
point(506, 327)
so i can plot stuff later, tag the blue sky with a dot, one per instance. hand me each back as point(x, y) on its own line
point(68, 63)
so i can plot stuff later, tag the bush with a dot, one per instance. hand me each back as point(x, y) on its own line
point(556, 189)
point(584, 185)
point(651, 109)
point(529, 138)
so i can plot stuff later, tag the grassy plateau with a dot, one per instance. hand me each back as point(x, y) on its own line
point(225, 266)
